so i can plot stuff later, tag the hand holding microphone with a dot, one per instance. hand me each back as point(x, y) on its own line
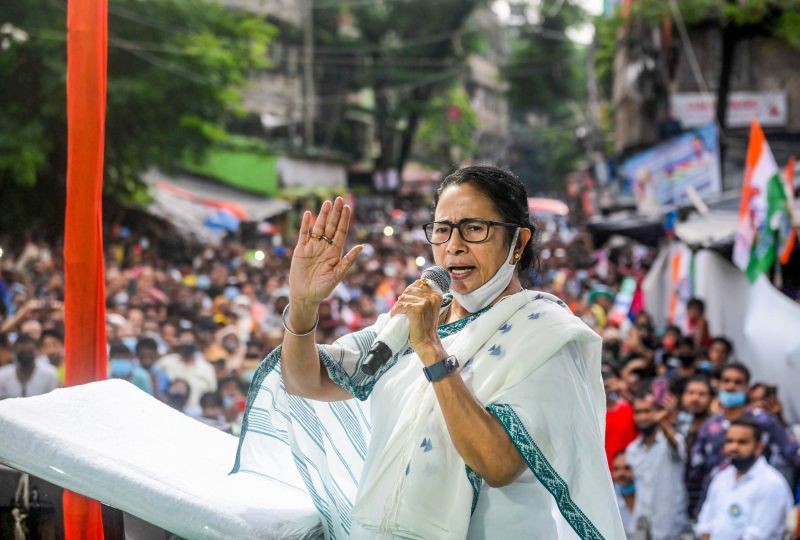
point(415, 317)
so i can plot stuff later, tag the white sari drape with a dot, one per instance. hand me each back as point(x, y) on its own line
point(389, 464)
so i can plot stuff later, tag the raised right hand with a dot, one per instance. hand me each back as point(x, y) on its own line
point(318, 266)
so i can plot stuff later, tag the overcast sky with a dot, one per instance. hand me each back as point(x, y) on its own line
point(583, 34)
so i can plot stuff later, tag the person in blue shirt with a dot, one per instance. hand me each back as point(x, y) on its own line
point(147, 355)
point(123, 366)
point(781, 450)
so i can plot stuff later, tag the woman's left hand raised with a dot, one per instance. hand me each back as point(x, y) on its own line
point(420, 303)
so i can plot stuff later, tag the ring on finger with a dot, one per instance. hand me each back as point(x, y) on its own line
point(424, 282)
point(315, 236)
point(329, 240)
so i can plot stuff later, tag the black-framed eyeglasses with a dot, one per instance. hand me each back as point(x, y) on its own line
point(472, 230)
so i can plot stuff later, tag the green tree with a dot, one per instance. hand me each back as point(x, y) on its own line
point(546, 80)
point(406, 53)
point(447, 132)
point(175, 69)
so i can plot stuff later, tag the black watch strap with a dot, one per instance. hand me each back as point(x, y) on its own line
point(441, 369)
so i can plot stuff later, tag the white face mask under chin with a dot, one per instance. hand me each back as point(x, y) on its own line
point(485, 294)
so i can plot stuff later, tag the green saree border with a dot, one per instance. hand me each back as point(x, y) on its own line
point(544, 471)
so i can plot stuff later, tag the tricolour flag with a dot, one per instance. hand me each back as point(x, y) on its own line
point(764, 219)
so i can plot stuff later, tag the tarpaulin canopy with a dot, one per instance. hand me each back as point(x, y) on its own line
point(205, 208)
point(542, 205)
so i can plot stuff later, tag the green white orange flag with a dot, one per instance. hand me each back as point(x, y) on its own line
point(764, 219)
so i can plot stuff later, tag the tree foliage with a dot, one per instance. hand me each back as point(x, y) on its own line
point(546, 78)
point(406, 53)
point(175, 69)
point(447, 132)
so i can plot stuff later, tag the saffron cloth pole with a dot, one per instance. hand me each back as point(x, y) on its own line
point(85, 334)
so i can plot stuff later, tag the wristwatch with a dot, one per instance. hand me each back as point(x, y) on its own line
point(441, 369)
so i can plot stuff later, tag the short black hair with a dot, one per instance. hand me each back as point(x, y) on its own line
point(674, 328)
point(701, 379)
point(211, 399)
point(749, 422)
point(146, 343)
point(118, 348)
point(50, 332)
point(509, 196)
point(725, 341)
point(25, 339)
point(738, 366)
point(696, 303)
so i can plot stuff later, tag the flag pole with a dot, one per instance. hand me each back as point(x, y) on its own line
point(84, 291)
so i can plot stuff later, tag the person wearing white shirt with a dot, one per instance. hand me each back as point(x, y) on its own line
point(658, 457)
point(26, 377)
point(748, 500)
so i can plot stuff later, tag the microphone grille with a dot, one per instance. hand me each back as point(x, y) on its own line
point(438, 277)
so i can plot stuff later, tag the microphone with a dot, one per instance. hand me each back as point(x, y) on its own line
point(393, 338)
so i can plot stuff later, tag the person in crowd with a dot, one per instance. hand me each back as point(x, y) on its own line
point(658, 458)
point(620, 426)
point(481, 235)
point(147, 356)
point(25, 376)
point(748, 498)
point(187, 363)
point(228, 348)
point(708, 453)
point(696, 323)
point(212, 411)
point(675, 379)
point(51, 344)
point(720, 352)
point(122, 365)
point(625, 487)
point(665, 352)
point(695, 409)
point(178, 397)
point(765, 396)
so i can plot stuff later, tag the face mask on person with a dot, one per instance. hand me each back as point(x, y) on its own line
point(186, 349)
point(647, 429)
point(731, 400)
point(705, 366)
point(130, 342)
point(486, 293)
point(685, 417)
point(227, 401)
point(25, 358)
point(743, 464)
point(627, 490)
point(121, 368)
point(686, 360)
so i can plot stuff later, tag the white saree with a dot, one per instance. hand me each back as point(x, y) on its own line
point(386, 468)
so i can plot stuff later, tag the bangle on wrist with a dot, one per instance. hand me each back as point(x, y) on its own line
point(295, 334)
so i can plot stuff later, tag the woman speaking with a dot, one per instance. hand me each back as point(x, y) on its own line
point(489, 425)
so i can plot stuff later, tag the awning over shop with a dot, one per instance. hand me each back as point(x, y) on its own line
point(644, 230)
point(542, 205)
point(205, 208)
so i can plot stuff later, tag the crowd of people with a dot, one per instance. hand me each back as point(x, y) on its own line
point(694, 446)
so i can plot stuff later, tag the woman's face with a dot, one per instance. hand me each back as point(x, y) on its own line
point(469, 265)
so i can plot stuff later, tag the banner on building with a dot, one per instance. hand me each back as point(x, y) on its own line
point(659, 178)
point(697, 108)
